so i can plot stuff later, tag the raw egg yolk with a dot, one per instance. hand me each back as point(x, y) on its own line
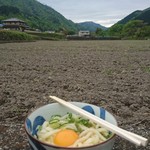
point(65, 137)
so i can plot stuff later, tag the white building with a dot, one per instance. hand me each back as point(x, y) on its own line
point(84, 33)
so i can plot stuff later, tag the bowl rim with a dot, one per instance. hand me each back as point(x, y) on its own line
point(62, 147)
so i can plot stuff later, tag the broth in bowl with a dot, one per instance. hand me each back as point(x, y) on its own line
point(72, 130)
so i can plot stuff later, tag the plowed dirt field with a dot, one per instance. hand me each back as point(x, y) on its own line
point(112, 74)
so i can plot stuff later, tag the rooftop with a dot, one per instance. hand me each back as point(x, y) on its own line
point(13, 19)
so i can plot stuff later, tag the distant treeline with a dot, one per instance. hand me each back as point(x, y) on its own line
point(47, 36)
point(12, 35)
point(135, 29)
point(9, 35)
point(92, 38)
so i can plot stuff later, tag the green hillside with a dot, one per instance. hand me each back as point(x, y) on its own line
point(134, 26)
point(137, 15)
point(36, 15)
point(130, 17)
point(145, 16)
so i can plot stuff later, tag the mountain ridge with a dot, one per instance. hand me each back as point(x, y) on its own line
point(45, 18)
point(90, 25)
point(137, 15)
point(38, 15)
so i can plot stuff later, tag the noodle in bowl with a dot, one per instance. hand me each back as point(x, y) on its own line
point(54, 126)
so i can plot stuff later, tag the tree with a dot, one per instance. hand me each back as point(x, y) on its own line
point(131, 28)
point(115, 30)
point(143, 33)
point(6, 10)
point(99, 32)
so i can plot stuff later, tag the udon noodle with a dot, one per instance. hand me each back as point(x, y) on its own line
point(88, 132)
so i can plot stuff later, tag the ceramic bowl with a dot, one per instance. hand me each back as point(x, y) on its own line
point(43, 113)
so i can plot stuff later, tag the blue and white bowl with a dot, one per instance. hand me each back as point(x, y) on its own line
point(43, 113)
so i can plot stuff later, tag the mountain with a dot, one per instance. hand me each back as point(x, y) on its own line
point(137, 15)
point(35, 14)
point(145, 16)
point(41, 16)
point(89, 25)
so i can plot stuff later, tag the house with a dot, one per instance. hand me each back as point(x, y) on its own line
point(14, 24)
point(1, 26)
point(84, 33)
point(50, 31)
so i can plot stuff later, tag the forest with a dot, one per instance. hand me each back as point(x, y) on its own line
point(135, 29)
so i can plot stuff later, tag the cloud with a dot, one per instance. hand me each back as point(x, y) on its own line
point(106, 12)
point(107, 22)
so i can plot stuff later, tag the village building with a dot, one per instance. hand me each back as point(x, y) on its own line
point(14, 24)
point(1, 26)
point(50, 31)
point(84, 33)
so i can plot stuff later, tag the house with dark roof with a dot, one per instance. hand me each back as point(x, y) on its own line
point(14, 24)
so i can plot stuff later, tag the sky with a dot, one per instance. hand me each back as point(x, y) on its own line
point(104, 12)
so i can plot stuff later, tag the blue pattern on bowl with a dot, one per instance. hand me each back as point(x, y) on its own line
point(102, 113)
point(29, 125)
point(38, 121)
point(89, 109)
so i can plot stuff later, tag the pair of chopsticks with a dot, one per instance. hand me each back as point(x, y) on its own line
point(132, 137)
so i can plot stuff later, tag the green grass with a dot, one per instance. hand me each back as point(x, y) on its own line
point(47, 36)
point(146, 69)
point(10, 35)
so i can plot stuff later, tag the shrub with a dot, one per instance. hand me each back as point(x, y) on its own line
point(48, 36)
point(9, 35)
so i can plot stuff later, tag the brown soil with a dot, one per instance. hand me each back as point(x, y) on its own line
point(111, 74)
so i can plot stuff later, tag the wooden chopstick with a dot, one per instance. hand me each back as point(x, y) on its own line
point(132, 137)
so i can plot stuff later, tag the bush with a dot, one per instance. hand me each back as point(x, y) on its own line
point(48, 36)
point(9, 35)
